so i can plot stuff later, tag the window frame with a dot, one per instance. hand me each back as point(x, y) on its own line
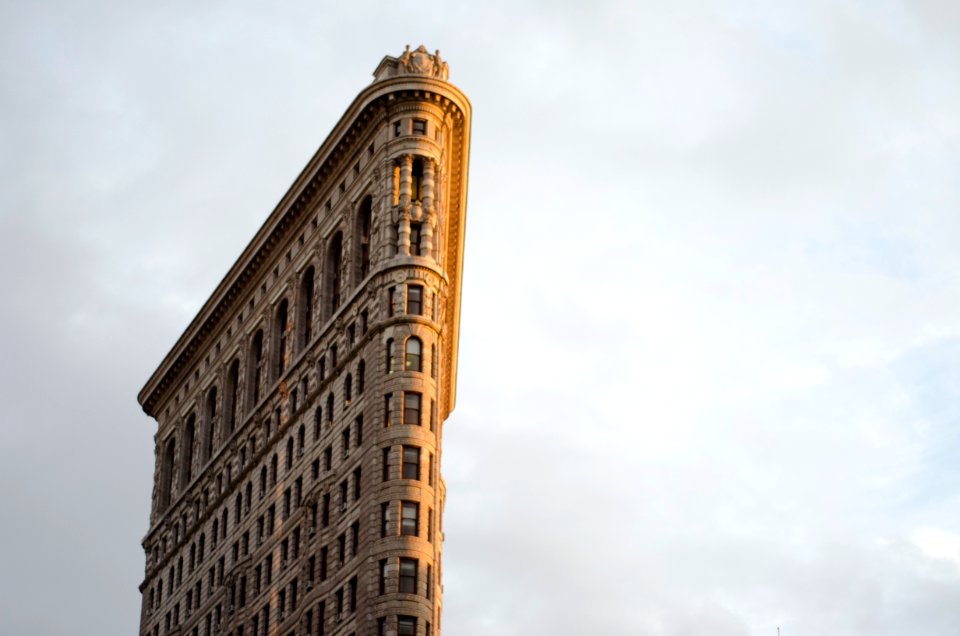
point(416, 304)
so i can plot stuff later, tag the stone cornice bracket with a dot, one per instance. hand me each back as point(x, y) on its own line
point(419, 62)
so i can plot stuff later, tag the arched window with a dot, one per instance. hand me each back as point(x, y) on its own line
point(332, 272)
point(390, 355)
point(301, 438)
point(273, 470)
point(289, 457)
point(364, 220)
point(209, 423)
point(330, 407)
point(255, 369)
point(317, 419)
point(280, 337)
point(186, 453)
point(166, 473)
point(348, 388)
point(305, 309)
point(231, 395)
point(263, 481)
point(361, 372)
point(412, 355)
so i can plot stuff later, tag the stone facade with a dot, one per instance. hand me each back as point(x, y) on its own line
point(297, 487)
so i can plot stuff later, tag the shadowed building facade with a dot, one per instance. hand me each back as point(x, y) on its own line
point(297, 487)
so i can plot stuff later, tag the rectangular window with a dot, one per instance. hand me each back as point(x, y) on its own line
point(382, 579)
point(419, 126)
point(407, 626)
point(430, 469)
point(411, 408)
point(411, 462)
point(391, 292)
point(356, 483)
point(387, 408)
point(415, 300)
point(415, 230)
point(345, 437)
point(324, 557)
point(430, 525)
point(410, 519)
point(358, 425)
point(397, 128)
point(328, 458)
point(384, 519)
point(408, 576)
point(386, 464)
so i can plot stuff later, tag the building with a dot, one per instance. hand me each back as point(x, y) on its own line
point(297, 487)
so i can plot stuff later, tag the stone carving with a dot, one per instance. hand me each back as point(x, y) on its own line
point(420, 62)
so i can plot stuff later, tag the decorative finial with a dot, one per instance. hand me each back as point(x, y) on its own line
point(420, 62)
point(416, 62)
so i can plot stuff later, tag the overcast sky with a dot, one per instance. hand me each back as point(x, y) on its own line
point(710, 351)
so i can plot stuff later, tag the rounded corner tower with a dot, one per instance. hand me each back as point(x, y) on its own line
point(297, 487)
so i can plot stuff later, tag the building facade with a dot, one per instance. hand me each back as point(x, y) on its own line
point(297, 487)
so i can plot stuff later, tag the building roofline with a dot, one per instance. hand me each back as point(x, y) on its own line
point(300, 193)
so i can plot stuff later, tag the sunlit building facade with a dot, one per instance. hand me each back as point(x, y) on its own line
point(297, 487)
